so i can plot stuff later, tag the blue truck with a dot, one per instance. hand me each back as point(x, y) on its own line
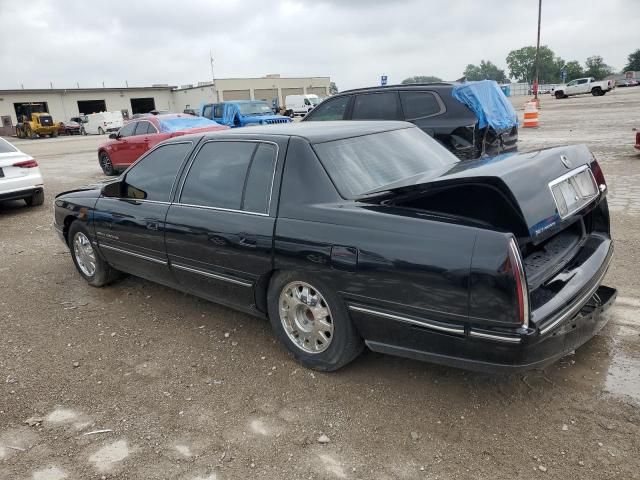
point(242, 113)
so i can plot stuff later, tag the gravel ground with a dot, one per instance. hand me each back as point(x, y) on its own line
point(137, 381)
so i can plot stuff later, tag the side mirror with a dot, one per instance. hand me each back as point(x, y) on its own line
point(113, 189)
point(113, 136)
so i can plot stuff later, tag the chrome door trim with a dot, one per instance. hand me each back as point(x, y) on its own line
point(137, 255)
point(411, 321)
point(211, 275)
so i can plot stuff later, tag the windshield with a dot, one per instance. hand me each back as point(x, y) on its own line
point(255, 108)
point(363, 164)
point(184, 123)
point(314, 100)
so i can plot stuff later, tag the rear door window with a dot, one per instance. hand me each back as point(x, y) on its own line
point(217, 176)
point(332, 109)
point(419, 104)
point(257, 190)
point(376, 106)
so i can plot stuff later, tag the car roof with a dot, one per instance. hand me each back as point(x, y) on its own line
point(408, 86)
point(317, 132)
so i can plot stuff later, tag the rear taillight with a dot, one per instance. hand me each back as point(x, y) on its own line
point(26, 164)
point(598, 175)
point(522, 292)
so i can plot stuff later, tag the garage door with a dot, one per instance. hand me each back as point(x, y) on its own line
point(320, 91)
point(267, 94)
point(236, 95)
point(291, 91)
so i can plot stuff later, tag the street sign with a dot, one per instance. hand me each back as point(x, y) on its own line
point(383, 80)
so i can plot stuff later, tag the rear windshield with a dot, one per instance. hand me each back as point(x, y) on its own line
point(184, 123)
point(6, 147)
point(363, 164)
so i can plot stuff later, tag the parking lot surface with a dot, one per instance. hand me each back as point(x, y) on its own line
point(138, 381)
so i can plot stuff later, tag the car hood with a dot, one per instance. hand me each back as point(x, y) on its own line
point(526, 176)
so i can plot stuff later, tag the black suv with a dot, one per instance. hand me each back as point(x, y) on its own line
point(430, 106)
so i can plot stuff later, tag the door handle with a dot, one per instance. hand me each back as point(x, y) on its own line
point(152, 224)
point(250, 242)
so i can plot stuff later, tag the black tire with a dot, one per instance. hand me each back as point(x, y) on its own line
point(36, 199)
point(106, 165)
point(100, 131)
point(559, 95)
point(597, 92)
point(54, 134)
point(345, 344)
point(104, 273)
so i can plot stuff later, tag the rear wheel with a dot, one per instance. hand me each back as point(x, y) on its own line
point(559, 95)
point(597, 92)
point(55, 133)
point(36, 199)
point(100, 131)
point(30, 133)
point(107, 165)
point(312, 321)
point(93, 269)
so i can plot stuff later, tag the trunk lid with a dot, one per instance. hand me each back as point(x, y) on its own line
point(526, 176)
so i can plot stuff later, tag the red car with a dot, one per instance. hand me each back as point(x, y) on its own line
point(637, 145)
point(138, 136)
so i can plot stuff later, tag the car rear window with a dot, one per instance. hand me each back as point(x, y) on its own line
point(368, 163)
point(419, 104)
point(376, 106)
point(6, 147)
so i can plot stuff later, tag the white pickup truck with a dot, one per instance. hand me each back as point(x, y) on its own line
point(583, 85)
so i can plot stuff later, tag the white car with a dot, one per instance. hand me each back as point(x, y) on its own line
point(20, 177)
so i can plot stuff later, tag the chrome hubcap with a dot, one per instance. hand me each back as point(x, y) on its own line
point(85, 256)
point(306, 317)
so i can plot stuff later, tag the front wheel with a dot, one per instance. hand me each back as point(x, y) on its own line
point(312, 321)
point(107, 165)
point(559, 95)
point(93, 269)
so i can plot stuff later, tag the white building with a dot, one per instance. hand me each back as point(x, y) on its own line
point(64, 103)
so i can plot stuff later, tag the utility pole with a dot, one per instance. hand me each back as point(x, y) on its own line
point(537, 84)
point(213, 78)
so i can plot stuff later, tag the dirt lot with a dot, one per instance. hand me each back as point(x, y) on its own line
point(191, 390)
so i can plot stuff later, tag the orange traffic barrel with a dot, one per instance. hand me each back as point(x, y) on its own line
point(530, 115)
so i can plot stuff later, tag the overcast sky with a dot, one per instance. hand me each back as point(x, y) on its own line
point(353, 41)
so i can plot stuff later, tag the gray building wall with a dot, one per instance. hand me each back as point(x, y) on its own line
point(63, 103)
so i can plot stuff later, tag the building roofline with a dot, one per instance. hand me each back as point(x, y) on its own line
point(88, 90)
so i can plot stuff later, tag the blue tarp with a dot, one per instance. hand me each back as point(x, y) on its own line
point(175, 124)
point(231, 111)
point(487, 101)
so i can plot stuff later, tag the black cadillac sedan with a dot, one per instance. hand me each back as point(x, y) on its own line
point(346, 234)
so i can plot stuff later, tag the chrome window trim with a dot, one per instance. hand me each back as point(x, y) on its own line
point(573, 173)
point(490, 336)
point(137, 255)
point(579, 304)
point(193, 159)
point(411, 321)
point(221, 209)
point(211, 275)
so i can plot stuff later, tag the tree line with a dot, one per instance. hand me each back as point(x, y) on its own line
point(521, 65)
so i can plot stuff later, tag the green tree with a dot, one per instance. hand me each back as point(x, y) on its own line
point(421, 79)
point(521, 64)
point(333, 88)
point(484, 71)
point(595, 67)
point(574, 70)
point(634, 62)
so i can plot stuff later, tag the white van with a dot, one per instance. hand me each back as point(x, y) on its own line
point(301, 104)
point(101, 123)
